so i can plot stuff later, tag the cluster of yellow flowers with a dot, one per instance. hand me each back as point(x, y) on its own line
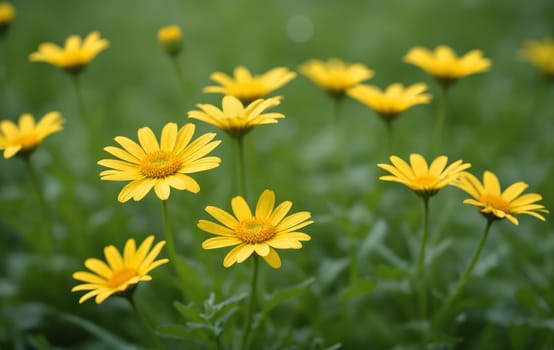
point(166, 163)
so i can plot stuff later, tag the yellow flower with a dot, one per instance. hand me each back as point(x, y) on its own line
point(7, 14)
point(76, 54)
point(24, 139)
point(236, 120)
point(540, 54)
point(335, 76)
point(248, 88)
point(444, 64)
point(422, 179)
point(159, 165)
point(170, 37)
point(268, 229)
point(494, 204)
point(122, 273)
point(394, 100)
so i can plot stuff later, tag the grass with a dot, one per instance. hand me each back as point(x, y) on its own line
point(350, 285)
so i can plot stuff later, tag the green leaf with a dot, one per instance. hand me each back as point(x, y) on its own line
point(189, 312)
point(39, 342)
point(191, 331)
point(360, 286)
point(389, 272)
point(330, 269)
point(281, 295)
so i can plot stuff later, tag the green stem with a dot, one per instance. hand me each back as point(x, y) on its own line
point(389, 134)
point(180, 75)
point(538, 108)
point(464, 278)
point(251, 304)
point(421, 260)
point(441, 116)
point(155, 340)
point(169, 237)
point(241, 166)
point(46, 243)
point(337, 103)
point(80, 99)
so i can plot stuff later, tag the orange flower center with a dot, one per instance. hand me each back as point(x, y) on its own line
point(495, 202)
point(425, 181)
point(73, 59)
point(160, 164)
point(121, 277)
point(255, 231)
point(26, 140)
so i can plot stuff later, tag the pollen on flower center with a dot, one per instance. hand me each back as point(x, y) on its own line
point(160, 164)
point(255, 231)
point(495, 202)
point(121, 277)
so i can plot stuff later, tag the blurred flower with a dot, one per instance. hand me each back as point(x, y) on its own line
point(171, 39)
point(394, 100)
point(162, 165)
point(444, 65)
point(494, 204)
point(261, 233)
point(7, 14)
point(424, 180)
point(24, 139)
point(236, 120)
point(335, 76)
point(541, 55)
point(122, 273)
point(248, 88)
point(76, 54)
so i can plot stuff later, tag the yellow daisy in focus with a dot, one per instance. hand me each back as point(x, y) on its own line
point(391, 102)
point(424, 180)
point(541, 55)
point(7, 14)
point(121, 273)
point(247, 87)
point(445, 65)
point(159, 165)
point(171, 38)
point(261, 233)
point(496, 204)
point(334, 75)
point(76, 54)
point(234, 118)
point(24, 137)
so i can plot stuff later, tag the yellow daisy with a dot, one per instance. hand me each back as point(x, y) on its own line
point(23, 139)
point(394, 100)
point(540, 54)
point(268, 229)
point(122, 273)
point(495, 204)
point(74, 56)
point(159, 165)
point(234, 118)
point(418, 176)
point(247, 87)
point(335, 76)
point(171, 39)
point(7, 14)
point(444, 64)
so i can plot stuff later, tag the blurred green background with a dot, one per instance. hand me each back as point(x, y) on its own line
point(356, 270)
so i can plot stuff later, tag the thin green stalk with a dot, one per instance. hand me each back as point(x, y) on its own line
point(421, 260)
point(241, 166)
point(180, 75)
point(169, 238)
point(251, 304)
point(337, 103)
point(45, 242)
point(464, 278)
point(389, 134)
point(156, 342)
point(80, 99)
point(441, 116)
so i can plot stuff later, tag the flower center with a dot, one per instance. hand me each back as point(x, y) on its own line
point(26, 140)
point(425, 181)
point(121, 277)
point(255, 230)
point(495, 202)
point(160, 164)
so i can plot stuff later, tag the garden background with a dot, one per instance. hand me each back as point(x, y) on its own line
point(350, 285)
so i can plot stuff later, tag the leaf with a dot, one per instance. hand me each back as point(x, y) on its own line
point(281, 295)
point(191, 331)
point(360, 286)
point(39, 342)
point(372, 239)
point(389, 272)
point(330, 269)
point(99, 332)
point(189, 312)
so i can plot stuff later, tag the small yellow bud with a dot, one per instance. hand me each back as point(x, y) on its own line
point(7, 14)
point(171, 39)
